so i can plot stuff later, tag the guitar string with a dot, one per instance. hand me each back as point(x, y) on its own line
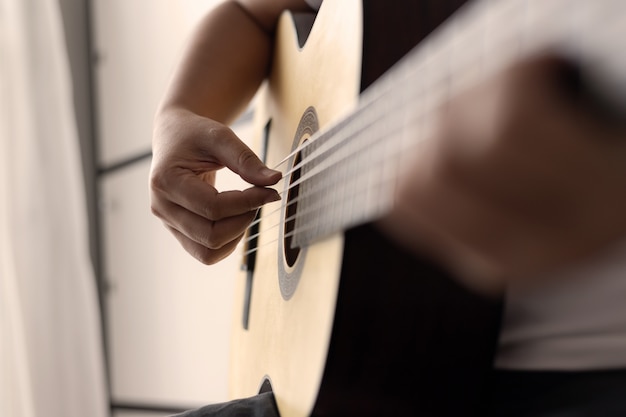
point(274, 226)
point(326, 143)
point(295, 231)
point(339, 159)
point(316, 207)
point(329, 147)
point(342, 139)
point(320, 137)
point(612, 28)
point(323, 204)
point(382, 180)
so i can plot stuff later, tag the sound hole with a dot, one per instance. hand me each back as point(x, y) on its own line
point(291, 257)
point(291, 251)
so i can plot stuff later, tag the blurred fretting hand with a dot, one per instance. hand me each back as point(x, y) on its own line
point(521, 177)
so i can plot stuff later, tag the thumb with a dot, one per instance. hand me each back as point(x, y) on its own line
point(239, 158)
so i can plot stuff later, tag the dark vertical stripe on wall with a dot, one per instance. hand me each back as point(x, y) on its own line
point(95, 213)
point(77, 23)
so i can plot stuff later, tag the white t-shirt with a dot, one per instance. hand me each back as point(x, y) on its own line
point(575, 322)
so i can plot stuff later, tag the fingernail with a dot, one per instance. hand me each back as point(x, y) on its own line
point(271, 198)
point(269, 172)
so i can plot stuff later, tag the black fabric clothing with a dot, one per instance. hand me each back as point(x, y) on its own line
point(511, 394)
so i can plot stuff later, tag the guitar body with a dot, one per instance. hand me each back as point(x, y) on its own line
point(351, 325)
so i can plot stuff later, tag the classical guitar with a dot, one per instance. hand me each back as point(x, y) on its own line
point(331, 316)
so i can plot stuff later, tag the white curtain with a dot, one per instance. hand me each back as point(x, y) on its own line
point(51, 360)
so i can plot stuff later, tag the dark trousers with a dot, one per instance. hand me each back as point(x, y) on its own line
point(557, 394)
point(510, 394)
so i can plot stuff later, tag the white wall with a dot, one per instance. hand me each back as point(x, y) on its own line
point(137, 44)
point(168, 317)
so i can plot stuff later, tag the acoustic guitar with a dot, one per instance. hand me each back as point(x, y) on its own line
point(330, 315)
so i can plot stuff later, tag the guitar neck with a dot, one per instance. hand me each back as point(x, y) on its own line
point(349, 172)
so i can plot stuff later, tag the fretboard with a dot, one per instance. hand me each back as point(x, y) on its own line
point(349, 171)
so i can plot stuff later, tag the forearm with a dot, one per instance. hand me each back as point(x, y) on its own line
point(225, 62)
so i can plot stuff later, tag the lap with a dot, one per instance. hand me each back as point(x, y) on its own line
point(510, 394)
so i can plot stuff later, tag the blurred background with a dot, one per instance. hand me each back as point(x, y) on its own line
point(101, 312)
